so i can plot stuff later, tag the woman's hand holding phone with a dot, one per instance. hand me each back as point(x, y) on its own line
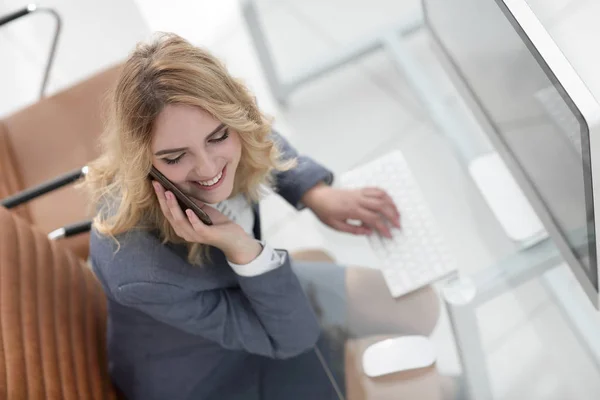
point(226, 235)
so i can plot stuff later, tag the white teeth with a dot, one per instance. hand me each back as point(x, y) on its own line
point(212, 181)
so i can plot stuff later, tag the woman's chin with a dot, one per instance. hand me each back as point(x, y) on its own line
point(213, 196)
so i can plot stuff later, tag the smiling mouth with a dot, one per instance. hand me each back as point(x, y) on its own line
point(212, 183)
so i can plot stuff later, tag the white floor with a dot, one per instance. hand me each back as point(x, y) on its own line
point(362, 110)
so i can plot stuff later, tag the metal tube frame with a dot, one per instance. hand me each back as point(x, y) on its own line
point(43, 188)
point(31, 9)
point(71, 230)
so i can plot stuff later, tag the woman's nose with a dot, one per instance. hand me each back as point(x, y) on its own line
point(207, 169)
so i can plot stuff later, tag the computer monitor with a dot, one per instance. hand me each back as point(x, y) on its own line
point(539, 115)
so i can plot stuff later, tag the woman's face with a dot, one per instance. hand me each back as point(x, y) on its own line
point(196, 152)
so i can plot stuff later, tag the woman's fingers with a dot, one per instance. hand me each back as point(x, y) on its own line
point(375, 221)
point(385, 202)
point(181, 221)
point(172, 211)
point(215, 215)
point(165, 206)
point(162, 200)
point(349, 228)
point(382, 195)
point(186, 223)
point(381, 207)
point(174, 207)
point(197, 225)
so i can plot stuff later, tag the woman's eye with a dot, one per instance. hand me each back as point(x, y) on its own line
point(223, 136)
point(173, 160)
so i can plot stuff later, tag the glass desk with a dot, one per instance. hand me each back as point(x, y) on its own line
point(521, 329)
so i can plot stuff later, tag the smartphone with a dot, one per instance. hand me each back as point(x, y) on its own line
point(184, 201)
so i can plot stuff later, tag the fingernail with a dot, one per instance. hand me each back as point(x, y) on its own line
point(169, 195)
point(155, 185)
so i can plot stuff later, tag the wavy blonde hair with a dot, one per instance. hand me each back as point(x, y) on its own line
point(169, 70)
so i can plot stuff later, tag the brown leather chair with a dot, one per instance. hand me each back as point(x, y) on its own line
point(47, 139)
point(52, 319)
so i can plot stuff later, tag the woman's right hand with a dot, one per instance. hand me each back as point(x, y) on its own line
point(238, 246)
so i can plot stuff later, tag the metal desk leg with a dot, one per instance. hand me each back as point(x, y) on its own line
point(264, 53)
point(282, 88)
point(458, 296)
point(576, 309)
point(463, 296)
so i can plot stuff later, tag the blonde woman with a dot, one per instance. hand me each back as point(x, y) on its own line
point(212, 312)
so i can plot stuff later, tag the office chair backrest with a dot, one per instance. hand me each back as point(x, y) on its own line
point(52, 319)
point(52, 137)
point(10, 178)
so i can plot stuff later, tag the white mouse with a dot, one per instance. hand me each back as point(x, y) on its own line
point(398, 354)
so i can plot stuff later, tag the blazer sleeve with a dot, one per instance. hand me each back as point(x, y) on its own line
point(292, 184)
point(267, 314)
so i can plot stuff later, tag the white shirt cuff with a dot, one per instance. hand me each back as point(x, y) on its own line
point(268, 260)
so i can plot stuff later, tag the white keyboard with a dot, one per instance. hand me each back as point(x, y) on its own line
point(417, 255)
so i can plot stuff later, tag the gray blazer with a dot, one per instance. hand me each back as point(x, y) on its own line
point(177, 331)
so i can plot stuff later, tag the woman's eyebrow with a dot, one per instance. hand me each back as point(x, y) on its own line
point(177, 150)
point(167, 151)
point(217, 130)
